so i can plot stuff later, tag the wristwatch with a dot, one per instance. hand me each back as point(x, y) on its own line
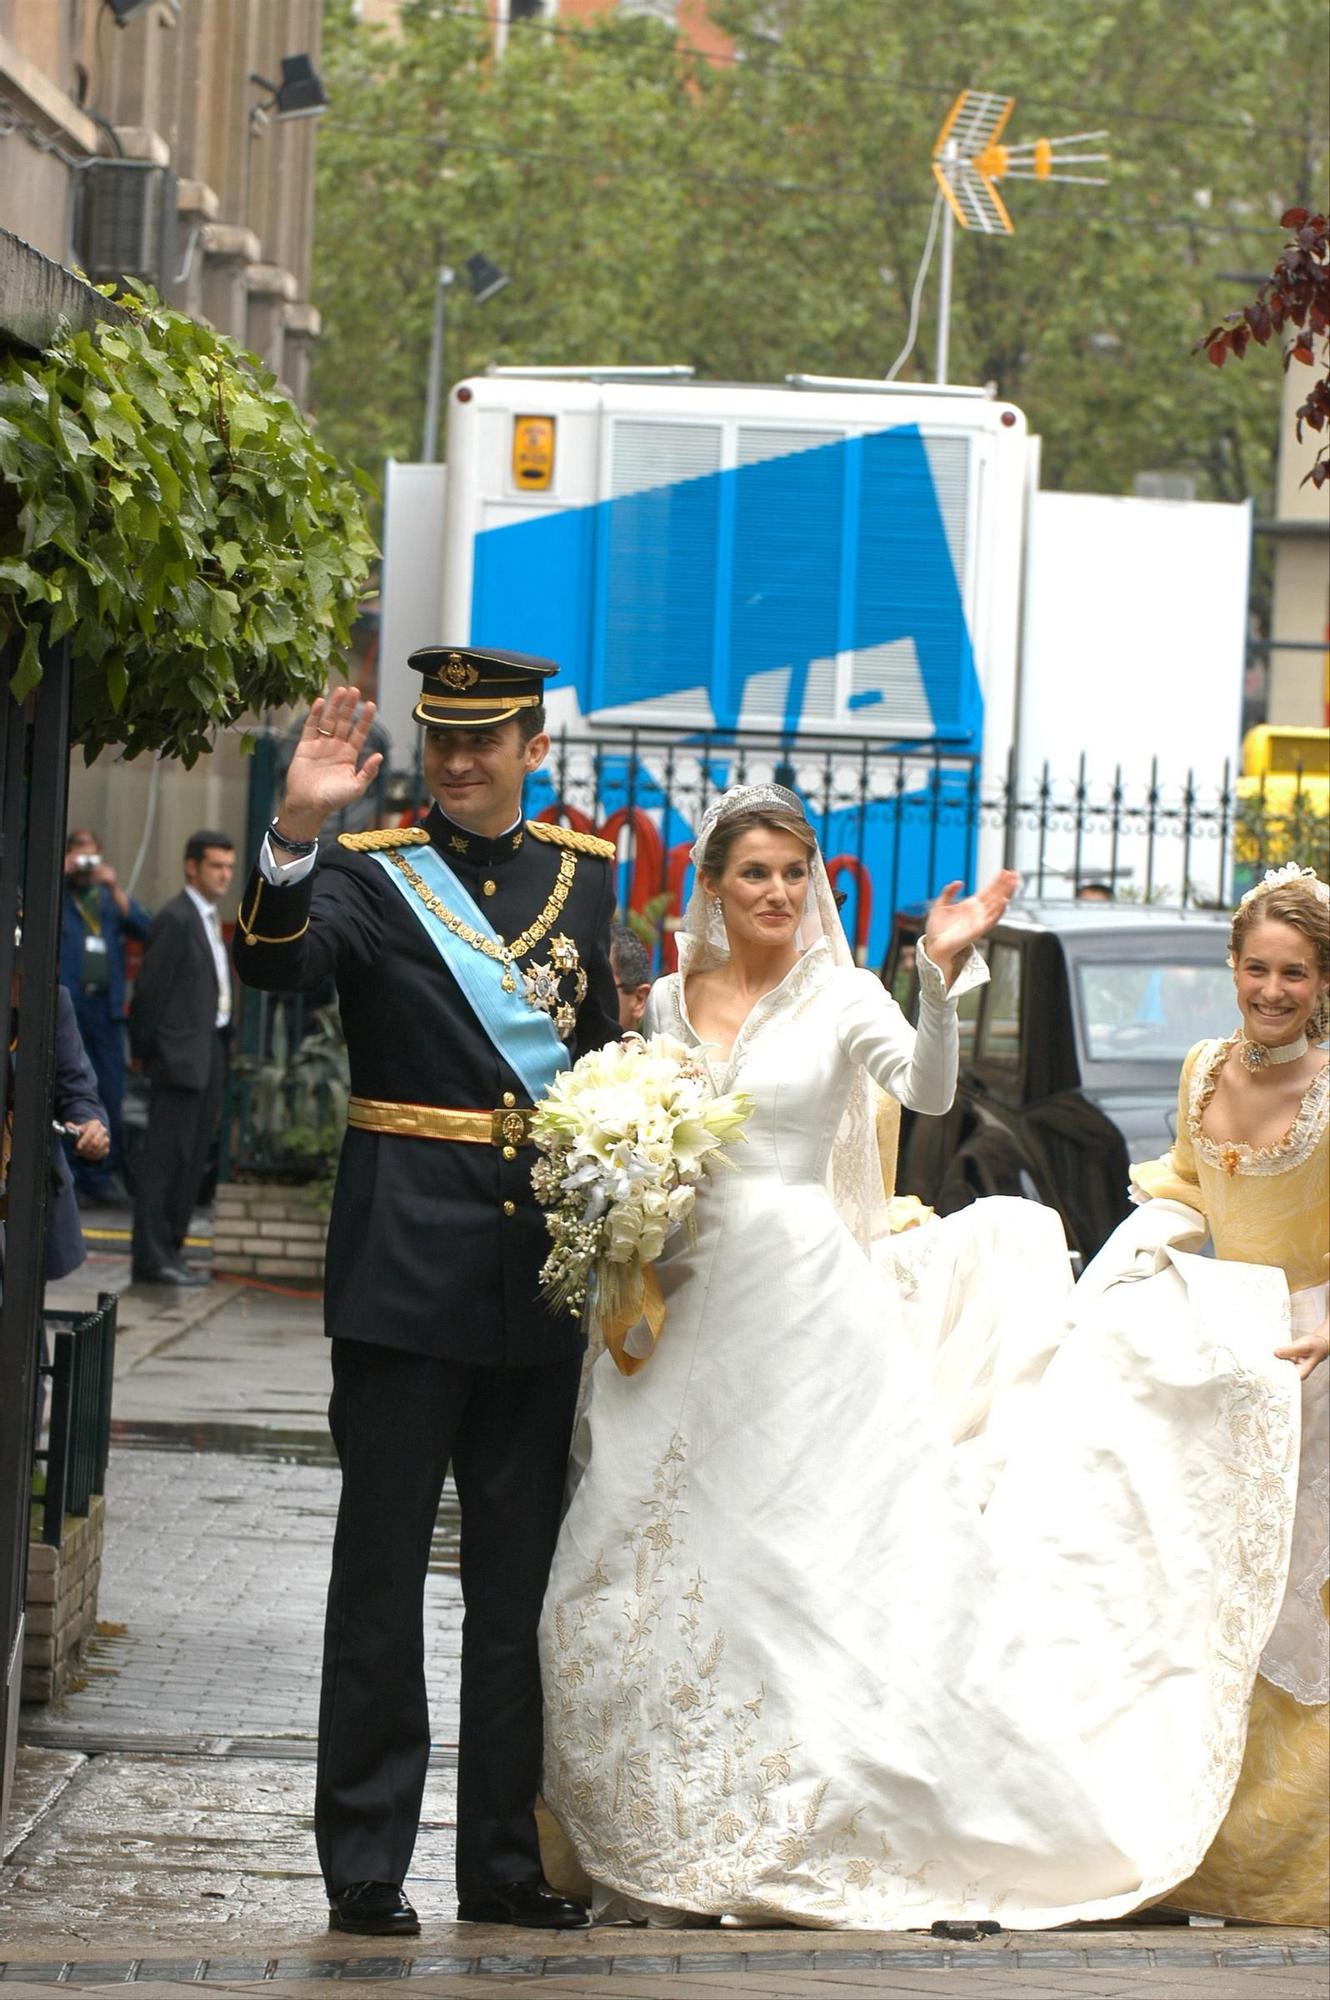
point(292, 847)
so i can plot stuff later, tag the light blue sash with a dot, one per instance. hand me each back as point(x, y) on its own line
point(523, 1035)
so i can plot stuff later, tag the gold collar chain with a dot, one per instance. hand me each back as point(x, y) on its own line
point(493, 947)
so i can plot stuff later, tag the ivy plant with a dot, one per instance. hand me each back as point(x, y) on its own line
point(164, 506)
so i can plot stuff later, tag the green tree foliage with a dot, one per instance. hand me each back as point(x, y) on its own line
point(768, 214)
point(163, 506)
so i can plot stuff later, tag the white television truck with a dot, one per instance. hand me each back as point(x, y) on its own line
point(824, 581)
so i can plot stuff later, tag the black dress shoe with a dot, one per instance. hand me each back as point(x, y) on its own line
point(532, 1905)
point(170, 1274)
point(372, 1909)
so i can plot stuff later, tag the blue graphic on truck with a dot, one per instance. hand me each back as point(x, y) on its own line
point(720, 581)
point(745, 586)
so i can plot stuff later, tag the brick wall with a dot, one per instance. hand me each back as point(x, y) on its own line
point(62, 1603)
point(269, 1232)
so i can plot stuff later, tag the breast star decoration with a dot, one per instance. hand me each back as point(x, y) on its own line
point(543, 981)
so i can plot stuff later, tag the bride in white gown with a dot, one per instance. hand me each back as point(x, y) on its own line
point(858, 1619)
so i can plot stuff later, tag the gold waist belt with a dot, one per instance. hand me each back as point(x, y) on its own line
point(431, 1121)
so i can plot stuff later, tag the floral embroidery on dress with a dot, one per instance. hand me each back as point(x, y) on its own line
point(693, 1805)
point(1249, 1602)
point(794, 987)
point(1234, 1156)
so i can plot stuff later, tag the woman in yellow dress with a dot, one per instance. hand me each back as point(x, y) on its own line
point(1251, 1157)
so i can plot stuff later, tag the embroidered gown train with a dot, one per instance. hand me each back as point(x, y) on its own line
point(878, 1600)
point(1270, 1860)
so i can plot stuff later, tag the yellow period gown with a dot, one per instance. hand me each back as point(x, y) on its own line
point(1270, 1860)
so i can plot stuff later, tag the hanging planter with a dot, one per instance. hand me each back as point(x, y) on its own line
point(169, 510)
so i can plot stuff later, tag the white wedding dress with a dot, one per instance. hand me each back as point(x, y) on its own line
point(884, 1594)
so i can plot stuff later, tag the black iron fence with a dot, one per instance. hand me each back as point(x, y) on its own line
point(79, 1373)
point(896, 820)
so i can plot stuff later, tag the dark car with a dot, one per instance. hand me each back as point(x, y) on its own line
point(1069, 1056)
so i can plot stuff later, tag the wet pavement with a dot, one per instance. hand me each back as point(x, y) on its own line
point(162, 1832)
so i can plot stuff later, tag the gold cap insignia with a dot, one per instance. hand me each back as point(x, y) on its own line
point(458, 673)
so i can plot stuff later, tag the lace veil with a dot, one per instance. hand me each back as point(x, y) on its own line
point(854, 1174)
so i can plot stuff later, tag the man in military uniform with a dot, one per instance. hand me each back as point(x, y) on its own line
point(471, 955)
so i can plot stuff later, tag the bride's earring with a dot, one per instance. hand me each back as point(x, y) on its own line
point(715, 921)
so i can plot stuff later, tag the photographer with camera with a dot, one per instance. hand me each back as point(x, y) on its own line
point(97, 918)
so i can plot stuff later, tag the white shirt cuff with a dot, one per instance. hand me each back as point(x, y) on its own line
point(933, 986)
point(284, 874)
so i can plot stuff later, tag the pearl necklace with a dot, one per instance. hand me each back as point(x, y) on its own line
point(1258, 1055)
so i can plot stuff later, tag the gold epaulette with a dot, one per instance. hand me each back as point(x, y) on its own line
point(376, 838)
point(568, 836)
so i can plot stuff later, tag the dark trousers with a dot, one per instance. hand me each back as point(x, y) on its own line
point(103, 1037)
point(182, 1125)
point(397, 1420)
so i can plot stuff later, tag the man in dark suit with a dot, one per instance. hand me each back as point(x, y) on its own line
point(97, 917)
point(472, 964)
point(178, 1028)
point(78, 1117)
point(79, 1109)
point(78, 1114)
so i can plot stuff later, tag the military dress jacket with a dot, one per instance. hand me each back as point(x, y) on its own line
point(435, 1245)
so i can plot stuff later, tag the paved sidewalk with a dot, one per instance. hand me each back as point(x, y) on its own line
point(164, 1831)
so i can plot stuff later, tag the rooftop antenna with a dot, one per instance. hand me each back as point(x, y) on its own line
point(969, 160)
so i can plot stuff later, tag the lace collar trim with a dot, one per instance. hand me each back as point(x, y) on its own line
point(1234, 1155)
point(795, 982)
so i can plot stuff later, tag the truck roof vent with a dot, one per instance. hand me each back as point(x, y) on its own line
point(612, 373)
point(1164, 486)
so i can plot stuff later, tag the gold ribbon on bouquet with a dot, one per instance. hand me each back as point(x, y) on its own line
point(625, 1294)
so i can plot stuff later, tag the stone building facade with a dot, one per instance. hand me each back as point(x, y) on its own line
point(107, 108)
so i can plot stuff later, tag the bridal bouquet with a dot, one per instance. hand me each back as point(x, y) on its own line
point(625, 1137)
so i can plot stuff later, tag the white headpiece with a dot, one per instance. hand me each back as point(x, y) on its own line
point(855, 1174)
point(1277, 878)
point(702, 941)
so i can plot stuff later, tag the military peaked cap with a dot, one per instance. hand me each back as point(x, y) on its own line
point(465, 688)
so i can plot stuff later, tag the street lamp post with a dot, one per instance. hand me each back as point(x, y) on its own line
point(484, 280)
point(429, 443)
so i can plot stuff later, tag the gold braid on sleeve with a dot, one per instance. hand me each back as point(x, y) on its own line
point(247, 923)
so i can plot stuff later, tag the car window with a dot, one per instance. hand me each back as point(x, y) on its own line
point(999, 1040)
point(1152, 1011)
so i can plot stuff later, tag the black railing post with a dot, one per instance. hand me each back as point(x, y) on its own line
point(1188, 805)
point(666, 815)
point(37, 768)
point(561, 767)
point(1079, 824)
point(1011, 782)
point(1226, 816)
point(58, 1433)
point(861, 829)
point(934, 816)
point(108, 1306)
point(1044, 795)
point(1151, 828)
point(1115, 833)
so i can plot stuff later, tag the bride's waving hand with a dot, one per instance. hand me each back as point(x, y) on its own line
point(955, 926)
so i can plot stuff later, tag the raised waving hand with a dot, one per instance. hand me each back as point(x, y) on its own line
point(954, 926)
point(326, 773)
